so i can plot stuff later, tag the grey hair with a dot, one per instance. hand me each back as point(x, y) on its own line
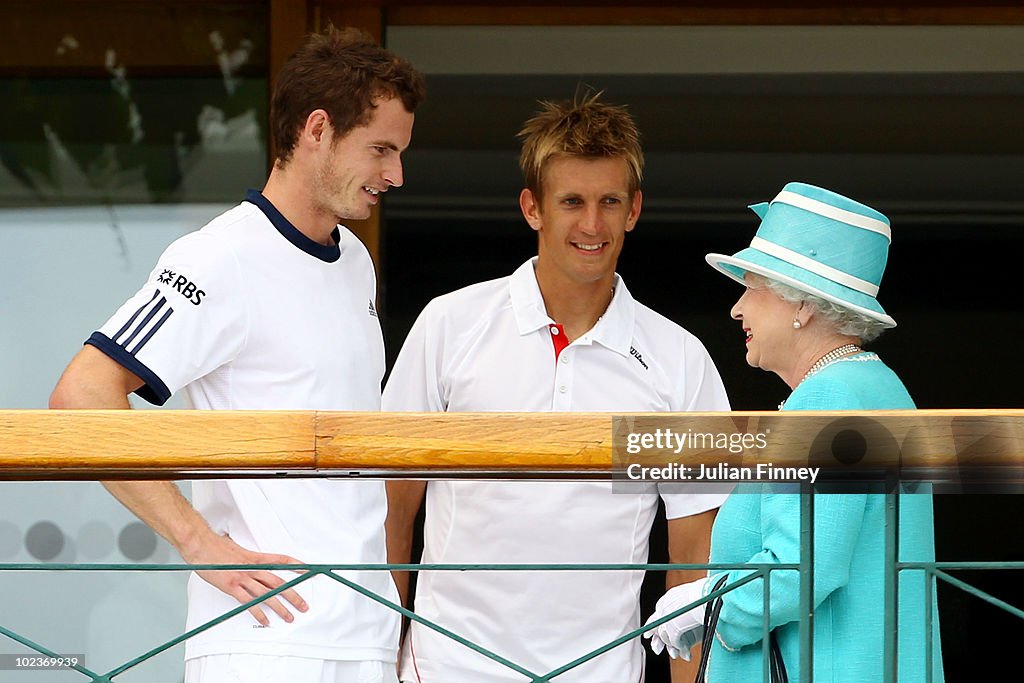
point(846, 322)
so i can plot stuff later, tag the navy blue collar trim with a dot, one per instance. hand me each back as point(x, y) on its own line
point(328, 254)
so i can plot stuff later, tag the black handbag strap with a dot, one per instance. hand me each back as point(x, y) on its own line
point(710, 624)
point(775, 661)
point(776, 665)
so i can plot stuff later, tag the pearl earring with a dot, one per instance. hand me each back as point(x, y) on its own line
point(797, 325)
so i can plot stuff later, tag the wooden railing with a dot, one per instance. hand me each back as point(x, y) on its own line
point(64, 445)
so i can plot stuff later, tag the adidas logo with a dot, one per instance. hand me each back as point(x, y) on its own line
point(373, 311)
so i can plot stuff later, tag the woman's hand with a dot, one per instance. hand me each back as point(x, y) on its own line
point(683, 631)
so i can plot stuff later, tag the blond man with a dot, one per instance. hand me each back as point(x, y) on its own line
point(562, 333)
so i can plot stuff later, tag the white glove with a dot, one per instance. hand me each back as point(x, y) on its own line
point(678, 635)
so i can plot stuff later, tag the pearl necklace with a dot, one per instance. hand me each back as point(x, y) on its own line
point(833, 355)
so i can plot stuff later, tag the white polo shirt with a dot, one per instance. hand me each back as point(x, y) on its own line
point(489, 347)
point(249, 314)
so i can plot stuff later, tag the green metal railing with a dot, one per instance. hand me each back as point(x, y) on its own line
point(757, 571)
point(762, 572)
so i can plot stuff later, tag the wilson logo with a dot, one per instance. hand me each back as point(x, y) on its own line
point(639, 359)
point(182, 285)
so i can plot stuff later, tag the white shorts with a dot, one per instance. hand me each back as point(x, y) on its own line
point(244, 668)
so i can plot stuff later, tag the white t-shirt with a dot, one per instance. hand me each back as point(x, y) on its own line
point(489, 347)
point(249, 314)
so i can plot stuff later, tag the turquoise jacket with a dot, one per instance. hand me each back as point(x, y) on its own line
point(760, 526)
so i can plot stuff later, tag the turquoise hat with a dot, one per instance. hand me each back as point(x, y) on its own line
point(821, 243)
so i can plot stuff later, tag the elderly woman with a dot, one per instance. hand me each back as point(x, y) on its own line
point(811, 275)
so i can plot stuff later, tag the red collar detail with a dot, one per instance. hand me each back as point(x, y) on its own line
point(558, 338)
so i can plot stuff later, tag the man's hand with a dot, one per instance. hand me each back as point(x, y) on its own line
point(93, 380)
point(244, 585)
point(681, 633)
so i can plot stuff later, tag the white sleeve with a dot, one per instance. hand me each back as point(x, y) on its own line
point(186, 321)
point(416, 383)
point(699, 389)
point(683, 500)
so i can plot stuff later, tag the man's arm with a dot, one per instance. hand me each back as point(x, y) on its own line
point(94, 381)
point(415, 385)
point(404, 501)
point(689, 542)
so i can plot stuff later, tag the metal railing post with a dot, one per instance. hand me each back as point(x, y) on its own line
point(890, 596)
point(806, 582)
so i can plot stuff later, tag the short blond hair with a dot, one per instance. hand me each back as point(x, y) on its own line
point(581, 127)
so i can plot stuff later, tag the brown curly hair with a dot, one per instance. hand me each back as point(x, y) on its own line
point(342, 71)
